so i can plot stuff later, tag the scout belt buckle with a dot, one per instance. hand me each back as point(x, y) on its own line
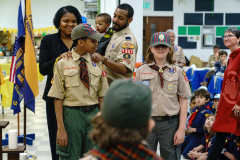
point(158, 118)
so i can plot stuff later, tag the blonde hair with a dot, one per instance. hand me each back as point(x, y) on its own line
point(150, 57)
point(108, 136)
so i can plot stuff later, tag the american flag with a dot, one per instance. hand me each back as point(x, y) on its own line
point(13, 65)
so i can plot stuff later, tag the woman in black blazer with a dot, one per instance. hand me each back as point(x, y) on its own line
point(52, 46)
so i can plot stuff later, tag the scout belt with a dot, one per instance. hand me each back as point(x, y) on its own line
point(84, 108)
point(164, 118)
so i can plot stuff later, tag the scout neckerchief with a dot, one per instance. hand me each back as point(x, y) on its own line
point(160, 72)
point(127, 151)
point(192, 117)
point(84, 73)
point(207, 138)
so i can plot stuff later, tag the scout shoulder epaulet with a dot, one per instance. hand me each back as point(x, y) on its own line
point(54, 69)
point(141, 65)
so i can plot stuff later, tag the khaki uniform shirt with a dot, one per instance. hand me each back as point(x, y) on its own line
point(179, 56)
point(165, 100)
point(211, 61)
point(68, 86)
point(122, 49)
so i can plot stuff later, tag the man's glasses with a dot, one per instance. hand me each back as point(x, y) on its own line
point(228, 36)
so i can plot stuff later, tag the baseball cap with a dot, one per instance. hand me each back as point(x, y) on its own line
point(85, 30)
point(127, 104)
point(217, 96)
point(216, 45)
point(160, 38)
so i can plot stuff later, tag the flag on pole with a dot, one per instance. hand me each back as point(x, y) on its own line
point(13, 64)
point(19, 65)
point(31, 89)
point(3, 90)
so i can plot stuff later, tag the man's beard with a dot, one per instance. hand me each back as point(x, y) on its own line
point(120, 28)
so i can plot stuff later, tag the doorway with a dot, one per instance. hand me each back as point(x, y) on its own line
point(152, 25)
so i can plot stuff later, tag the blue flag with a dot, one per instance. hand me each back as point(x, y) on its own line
point(19, 51)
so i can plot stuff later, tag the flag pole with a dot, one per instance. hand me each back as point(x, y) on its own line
point(24, 114)
point(18, 126)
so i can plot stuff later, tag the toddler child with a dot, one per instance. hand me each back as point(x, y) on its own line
point(103, 22)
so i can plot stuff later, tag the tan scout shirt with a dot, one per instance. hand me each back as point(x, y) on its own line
point(122, 49)
point(211, 61)
point(67, 79)
point(179, 56)
point(165, 100)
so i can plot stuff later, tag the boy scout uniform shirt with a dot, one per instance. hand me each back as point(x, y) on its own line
point(165, 100)
point(179, 56)
point(122, 49)
point(68, 86)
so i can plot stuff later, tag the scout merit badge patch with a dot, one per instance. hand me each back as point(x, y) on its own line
point(127, 57)
point(185, 76)
point(171, 70)
point(170, 86)
point(146, 82)
point(128, 46)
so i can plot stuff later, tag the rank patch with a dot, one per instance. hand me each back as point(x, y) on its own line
point(129, 51)
point(128, 46)
point(170, 87)
point(146, 82)
point(171, 70)
point(127, 56)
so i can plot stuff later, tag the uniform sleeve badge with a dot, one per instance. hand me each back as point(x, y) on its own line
point(128, 46)
point(127, 56)
point(171, 70)
point(184, 73)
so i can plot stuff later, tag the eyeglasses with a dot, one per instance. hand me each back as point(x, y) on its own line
point(228, 36)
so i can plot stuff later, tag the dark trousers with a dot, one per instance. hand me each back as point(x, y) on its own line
point(52, 129)
point(218, 145)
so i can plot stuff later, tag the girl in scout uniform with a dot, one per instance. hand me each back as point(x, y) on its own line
point(170, 89)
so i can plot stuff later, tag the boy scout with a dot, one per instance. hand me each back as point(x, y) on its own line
point(170, 89)
point(121, 52)
point(179, 56)
point(78, 88)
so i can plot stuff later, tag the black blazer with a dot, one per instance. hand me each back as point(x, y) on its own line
point(50, 49)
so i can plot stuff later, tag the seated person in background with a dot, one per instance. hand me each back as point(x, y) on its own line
point(221, 65)
point(121, 134)
point(215, 103)
point(231, 149)
point(215, 57)
point(204, 87)
point(103, 22)
point(192, 104)
point(202, 150)
point(196, 122)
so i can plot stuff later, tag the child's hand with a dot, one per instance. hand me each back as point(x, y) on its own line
point(62, 137)
point(187, 132)
point(225, 62)
point(193, 154)
point(96, 57)
point(191, 130)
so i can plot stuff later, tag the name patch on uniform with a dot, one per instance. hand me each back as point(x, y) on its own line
point(146, 82)
point(113, 45)
point(128, 46)
point(170, 86)
point(128, 62)
point(171, 70)
point(127, 56)
point(70, 68)
point(128, 51)
point(103, 73)
point(94, 64)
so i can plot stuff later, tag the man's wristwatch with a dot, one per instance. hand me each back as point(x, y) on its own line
point(104, 60)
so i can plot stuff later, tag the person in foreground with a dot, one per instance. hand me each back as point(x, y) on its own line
point(229, 103)
point(79, 86)
point(118, 133)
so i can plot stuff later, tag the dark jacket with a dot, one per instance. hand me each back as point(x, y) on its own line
point(50, 49)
